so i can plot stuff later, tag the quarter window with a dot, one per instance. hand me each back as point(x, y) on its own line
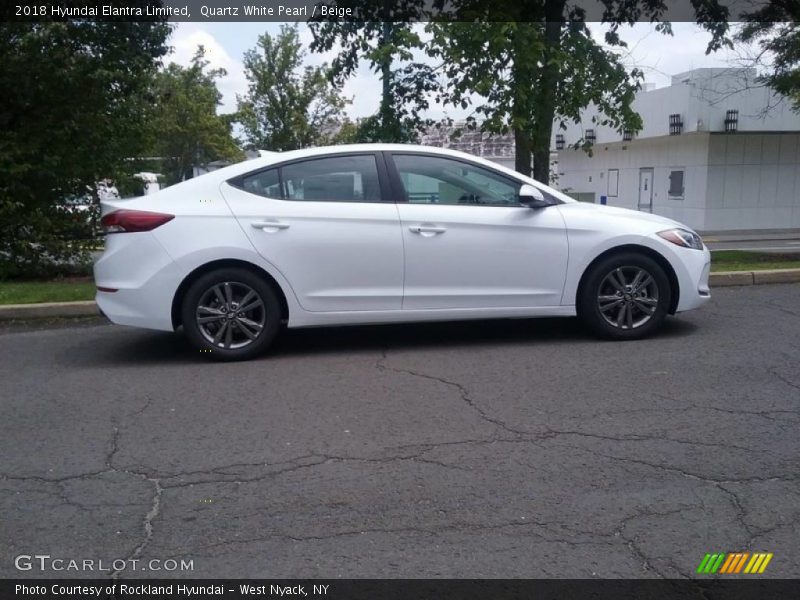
point(334, 179)
point(264, 183)
point(435, 180)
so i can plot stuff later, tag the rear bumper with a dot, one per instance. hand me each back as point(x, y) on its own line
point(145, 277)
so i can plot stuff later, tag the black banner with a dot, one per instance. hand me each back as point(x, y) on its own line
point(374, 10)
point(411, 589)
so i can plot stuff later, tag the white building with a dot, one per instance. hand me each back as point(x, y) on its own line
point(717, 152)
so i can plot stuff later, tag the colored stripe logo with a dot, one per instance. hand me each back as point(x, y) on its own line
point(732, 563)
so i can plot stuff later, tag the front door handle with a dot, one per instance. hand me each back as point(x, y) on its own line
point(427, 229)
point(269, 226)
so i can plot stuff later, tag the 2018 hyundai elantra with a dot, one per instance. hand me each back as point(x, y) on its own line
point(384, 233)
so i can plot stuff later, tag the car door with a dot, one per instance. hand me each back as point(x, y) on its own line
point(468, 241)
point(326, 224)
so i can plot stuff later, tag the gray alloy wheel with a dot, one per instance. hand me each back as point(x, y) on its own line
point(624, 296)
point(230, 315)
point(628, 297)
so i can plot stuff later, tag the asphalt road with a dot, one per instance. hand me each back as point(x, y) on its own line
point(492, 449)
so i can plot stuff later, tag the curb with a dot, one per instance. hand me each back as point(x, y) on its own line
point(88, 308)
point(731, 278)
point(48, 309)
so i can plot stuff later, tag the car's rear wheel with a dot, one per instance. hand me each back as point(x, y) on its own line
point(625, 296)
point(231, 314)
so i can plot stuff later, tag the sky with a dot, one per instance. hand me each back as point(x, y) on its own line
point(659, 56)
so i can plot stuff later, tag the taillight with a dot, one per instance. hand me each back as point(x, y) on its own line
point(122, 221)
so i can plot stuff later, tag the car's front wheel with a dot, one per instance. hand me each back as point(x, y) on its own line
point(231, 314)
point(625, 296)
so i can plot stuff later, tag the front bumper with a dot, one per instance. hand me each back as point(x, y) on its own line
point(692, 268)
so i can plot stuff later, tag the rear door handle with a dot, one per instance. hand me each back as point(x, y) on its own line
point(269, 226)
point(429, 229)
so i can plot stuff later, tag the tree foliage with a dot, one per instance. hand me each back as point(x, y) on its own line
point(541, 65)
point(186, 130)
point(72, 109)
point(774, 28)
point(525, 82)
point(385, 38)
point(287, 105)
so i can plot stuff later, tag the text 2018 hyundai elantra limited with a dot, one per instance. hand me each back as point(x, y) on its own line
point(384, 233)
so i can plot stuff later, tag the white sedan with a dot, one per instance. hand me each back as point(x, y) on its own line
point(384, 233)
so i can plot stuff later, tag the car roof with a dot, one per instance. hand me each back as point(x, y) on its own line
point(267, 158)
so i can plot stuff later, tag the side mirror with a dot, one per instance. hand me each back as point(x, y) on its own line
point(532, 197)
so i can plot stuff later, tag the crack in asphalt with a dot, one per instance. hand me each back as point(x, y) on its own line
point(154, 511)
point(155, 506)
point(741, 516)
point(141, 410)
point(221, 474)
point(318, 460)
point(682, 408)
point(649, 438)
point(685, 473)
point(782, 309)
point(428, 531)
point(381, 365)
point(773, 371)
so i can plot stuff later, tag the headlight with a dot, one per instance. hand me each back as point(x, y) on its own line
point(683, 237)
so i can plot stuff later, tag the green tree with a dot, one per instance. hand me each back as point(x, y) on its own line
point(287, 105)
point(385, 38)
point(775, 31)
point(186, 129)
point(541, 65)
point(73, 108)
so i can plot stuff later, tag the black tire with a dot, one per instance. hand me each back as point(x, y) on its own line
point(245, 340)
point(610, 285)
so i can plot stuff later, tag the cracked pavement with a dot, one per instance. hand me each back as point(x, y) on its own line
point(481, 449)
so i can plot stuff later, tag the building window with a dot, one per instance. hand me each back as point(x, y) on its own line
point(627, 135)
point(590, 136)
point(731, 121)
point(560, 141)
point(675, 124)
point(675, 184)
point(613, 183)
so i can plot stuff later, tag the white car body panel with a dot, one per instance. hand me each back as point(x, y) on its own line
point(356, 262)
point(343, 256)
point(485, 257)
point(594, 229)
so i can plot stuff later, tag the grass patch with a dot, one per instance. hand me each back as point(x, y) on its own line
point(747, 260)
point(60, 290)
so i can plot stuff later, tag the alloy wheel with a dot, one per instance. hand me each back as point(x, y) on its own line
point(627, 297)
point(230, 315)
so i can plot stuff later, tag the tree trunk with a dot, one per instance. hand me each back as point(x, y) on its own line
point(386, 112)
point(522, 79)
point(522, 152)
point(545, 108)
